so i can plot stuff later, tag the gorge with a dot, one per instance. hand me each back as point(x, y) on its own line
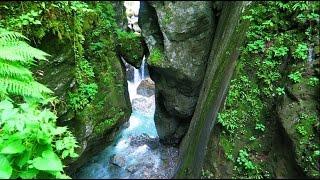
point(160, 89)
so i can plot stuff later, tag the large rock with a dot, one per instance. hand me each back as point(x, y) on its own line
point(224, 52)
point(178, 36)
point(146, 88)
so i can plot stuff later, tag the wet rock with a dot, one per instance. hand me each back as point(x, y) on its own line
point(118, 160)
point(132, 168)
point(145, 105)
point(144, 139)
point(129, 72)
point(146, 88)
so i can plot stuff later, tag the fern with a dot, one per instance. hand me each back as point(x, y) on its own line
point(15, 56)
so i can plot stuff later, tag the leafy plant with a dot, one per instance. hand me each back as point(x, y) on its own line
point(301, 52)
point(252, 138)
point(83, 96)
point(228, 120)
point(244, 161)
point(29, 138)
point(31, 144)
point(260, 127)
point(256, 46)
point(15, 56)
point(301, 130)
point(280, 91)
point(295, 77)
point(313, 81)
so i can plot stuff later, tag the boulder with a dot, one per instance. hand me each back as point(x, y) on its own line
point(146, 88)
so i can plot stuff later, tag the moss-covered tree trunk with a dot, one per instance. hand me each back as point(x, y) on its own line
point(224, 53)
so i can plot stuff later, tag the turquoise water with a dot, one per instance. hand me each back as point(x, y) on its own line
point(129, 155)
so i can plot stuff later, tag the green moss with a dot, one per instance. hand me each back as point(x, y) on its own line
point(227, 146)
point(156, 57)
point(109, 123)
point(130, 47)
point(309, 143)
point(167, 17)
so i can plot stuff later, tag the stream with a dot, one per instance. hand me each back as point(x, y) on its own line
point(136, 151)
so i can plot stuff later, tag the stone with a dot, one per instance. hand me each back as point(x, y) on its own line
point(129, 72)
point(146, 88)
point(118, 160)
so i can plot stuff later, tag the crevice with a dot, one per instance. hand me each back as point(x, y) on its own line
point(148, 15)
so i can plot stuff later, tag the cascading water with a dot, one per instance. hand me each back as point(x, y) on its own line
point(136, 151)
point(142, 67)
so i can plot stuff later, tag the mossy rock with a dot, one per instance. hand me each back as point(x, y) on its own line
point(131, 48)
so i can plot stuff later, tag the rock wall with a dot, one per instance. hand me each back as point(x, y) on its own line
point(96, 124)
point(179, 37)
point(228, 38)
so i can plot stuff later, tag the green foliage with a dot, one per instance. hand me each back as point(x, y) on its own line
point(83, 96)
point(295, 77)
point(129, 44)
point(156, 56)
point(301, 130)
point(15, 56)
point(256, 46)
point(260, 127)
point(280, 91)
point(115, 114)
point(313, 81)
point(252, 138)
point(244, 161)
point(309, 144)
point(206, 174)
point(228, 120)
point(301, 52)
point(279, 36)
point(29, 136)
point(29, 140)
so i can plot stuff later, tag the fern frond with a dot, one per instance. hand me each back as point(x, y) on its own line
point(14, 70)
point(14, 49)
point(33, 89)
point(10, 35)
point(15, 77)
point(20, 51)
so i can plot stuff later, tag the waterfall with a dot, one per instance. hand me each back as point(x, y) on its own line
point(142, 68)
point(136, 76)
point(310, 54)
